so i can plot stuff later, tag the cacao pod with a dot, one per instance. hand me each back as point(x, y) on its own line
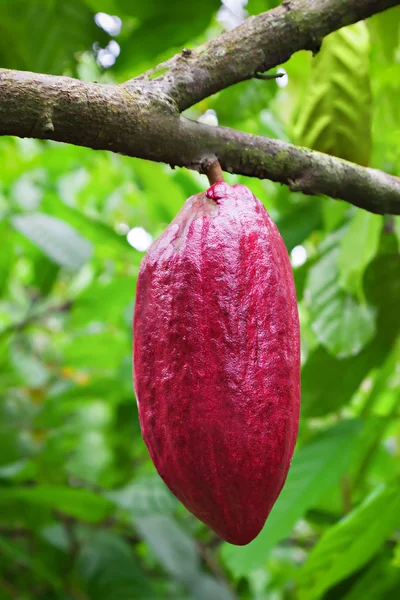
point(216, 360)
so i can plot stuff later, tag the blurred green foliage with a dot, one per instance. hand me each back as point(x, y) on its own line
point(83, 513)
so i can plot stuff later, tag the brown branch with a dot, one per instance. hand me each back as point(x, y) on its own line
point(36, 316)
point(259, 44)
point(214, 172)
point(142, 117)
point(140, 123)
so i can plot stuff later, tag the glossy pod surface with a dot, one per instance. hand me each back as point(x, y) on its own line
point(216, 360)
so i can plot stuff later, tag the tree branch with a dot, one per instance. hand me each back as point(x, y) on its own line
point(259, 44)
point(139, 122)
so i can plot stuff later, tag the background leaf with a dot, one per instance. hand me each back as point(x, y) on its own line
point(83, 512)
point(337, 113)
point(341, 324)
point(58, 240)
point(351, 543)
point(357, 248)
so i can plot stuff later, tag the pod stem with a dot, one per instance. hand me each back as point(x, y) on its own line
point(214, 172)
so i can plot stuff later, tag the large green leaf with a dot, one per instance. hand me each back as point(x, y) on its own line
point(144, 497)
point(57, 239)
point(300, 222)
point(111, 570)
point(102, 349)
point(45, 37)
point(164, 197)
point(31, 369)
point(5, 256)
point(103, 301)
point(358, 247)
point(173, 547)
point(380, 580)
point(328, 383)
point(241, 105)
point(315, 468)
point(23, 558)
point(80, 503)
point(341, 324)
point(255, 7)
point(351, 543)
point(385, 33)
point(108, 243)
point(178, 554)
point(161, 26)
point(336, 117)
point(210, 588)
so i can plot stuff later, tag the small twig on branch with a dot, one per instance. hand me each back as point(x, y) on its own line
point(268, 76)
point(35, 317)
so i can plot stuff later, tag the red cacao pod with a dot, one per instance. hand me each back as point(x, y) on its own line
point(216, 360)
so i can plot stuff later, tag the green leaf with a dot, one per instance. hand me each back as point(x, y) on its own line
point(103, 301)
point(163, 195)
point(255, 7)
point(162, 26)
point(351, 543)
point(5, 255)
point(32, 370)
point(315, 468)
point(45, 37)
point(101, 349)
point(107, 242)
point(59, 241)
point(385, 33)
point(208, 587)
point(174, 548)
point(397, 228)
point(300, 222)
point(144, 497)
point(79, 503)
point(241, 105)
point(336, 118)
point(177, 552)
point(341, 324)
point(358, 247)
point(328, 383)
point(380, 580)
point(334, 213)
point(12, 549)
point(110, 569)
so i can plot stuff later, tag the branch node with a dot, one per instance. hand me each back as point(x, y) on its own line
point(314, 46)
point(44, 125)
point(304, 183)
point(48, 127)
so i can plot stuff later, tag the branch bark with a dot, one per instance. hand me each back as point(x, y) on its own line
point(259, 44)
point(141, 118)
point(140, 123)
